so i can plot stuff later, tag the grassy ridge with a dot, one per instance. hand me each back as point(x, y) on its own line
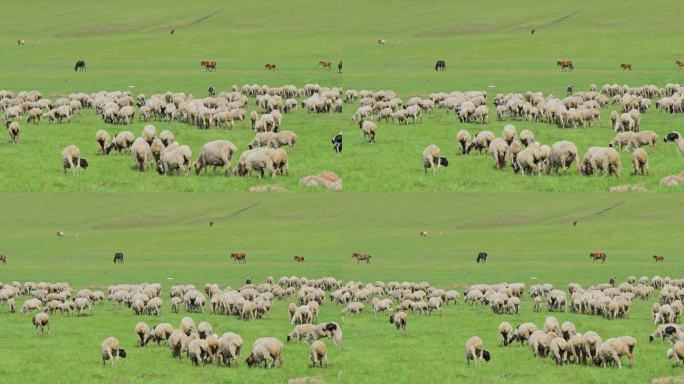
point(529, 237)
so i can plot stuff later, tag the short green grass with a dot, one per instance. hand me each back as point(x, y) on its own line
point(166, 239)
point(487, 46)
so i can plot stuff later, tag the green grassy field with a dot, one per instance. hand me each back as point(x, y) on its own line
point(529, 237)
point(487, 47)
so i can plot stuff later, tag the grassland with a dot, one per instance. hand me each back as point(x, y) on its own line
point(486, 46)
point(530, 239)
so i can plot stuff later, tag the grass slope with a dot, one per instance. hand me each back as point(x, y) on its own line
point(529, 237)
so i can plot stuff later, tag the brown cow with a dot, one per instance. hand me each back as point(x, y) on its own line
point(270, 67)
point(597, 256)
point(299, 259)
point(565, 64)
point(361, 257)
point(208, 65)
point(3, 258)
point(658, 258)
point(325, 64)
point(626, 67)
point(239, 257)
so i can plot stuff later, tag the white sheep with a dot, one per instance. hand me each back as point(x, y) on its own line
point(215, 153)
point(109, 350)
point(266, 351)
point(318, 354)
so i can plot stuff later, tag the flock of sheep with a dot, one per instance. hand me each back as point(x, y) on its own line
point(400, 300)
point(267, 154)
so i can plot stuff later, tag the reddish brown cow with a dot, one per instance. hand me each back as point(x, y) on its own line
point(239, 257)
point(361, 257)
point(299, 259)
point(597, 256)
point(565, 65)
point(658, 258)
point(626, 67)
point(270, 67)
point(325, 64)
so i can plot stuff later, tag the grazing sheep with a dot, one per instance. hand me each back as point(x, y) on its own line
point(613, 120)
point(526, 137)
point(563, 153)
point(481, 141)
point(498, 149)
point(528, 161)
point(611, 350)
point(175, 160)
point(187, 325)
point(122, 142)
point(300, 331)
point(640, 161)
point(622, 139)
point(215, 153)
point(142, 330)
point(178, 342)
point(568, 330)
point(558, 349)
point(198, 350)
point(230, 345)
point(103, 139)
point(149, 133)
point(509, 133)
point(41, 320)
point(142, 154)
point(71, 158)
point(676, 352)
point(463, 138)
point(399, 321)
point(288, 138)
point(601, 159)
point(551, 325)
point(506, 332)
point(523, 332)
point(592, 342)
point(266, 351)
point(257, 160)
point(353, 308)
point(264, 139)
point(110, 350)
point(167, 137)
point(319, 354)
point(204, 329)
point(368, 128)
point(432, 158)
point(474, 350)
point(13, 131)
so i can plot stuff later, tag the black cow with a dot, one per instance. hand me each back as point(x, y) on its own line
point(337, 142)
point(482, 256)
point(339, 67)
point(118, 258)
point(440, 65)
point(80, 66)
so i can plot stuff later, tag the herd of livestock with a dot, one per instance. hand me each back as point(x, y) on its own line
point(267, 151)
point(201, 343)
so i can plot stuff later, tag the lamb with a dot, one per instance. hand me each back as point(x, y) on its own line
point(463, 138)
point(677, 138)
point(399, 321)
point(368, 128)
point(319, 354)
point(167, 137)
point(676, 352)
point(498, 148)
point(142, 330)
point(71, 158)
point(122, 141)
point(264, 139)
point(563, 153)
point(266, 351)
point(353, 308)
point(110, 350)
point(288, 138)
point(558, 348)
point(640, 161)
point(482, 141)
point(432, 158)
point(41, 320)
point(230, 345)
point(622, 139)
point(506, 332)
point(526, 137)
point(149, 133)
point(198, 350)
point(215, 153)
point(474, 350)
point(509, 133)
point(13, 131)
point(142, 154)
point(640, 139)
point(103, 139)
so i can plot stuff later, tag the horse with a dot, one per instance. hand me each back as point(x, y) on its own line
point(597, 256)
point(440, 65)
point(626, 67)
point(270, 67)
point(208, 65)
point(658, 258)
point(679, 63)
point(239, 257)
point(3, 258)
point(299, 259)
point(482, 256)
point(118, 258)
point(565, 64)
point(80, 66)
point(325, 64)
point(361, 257)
